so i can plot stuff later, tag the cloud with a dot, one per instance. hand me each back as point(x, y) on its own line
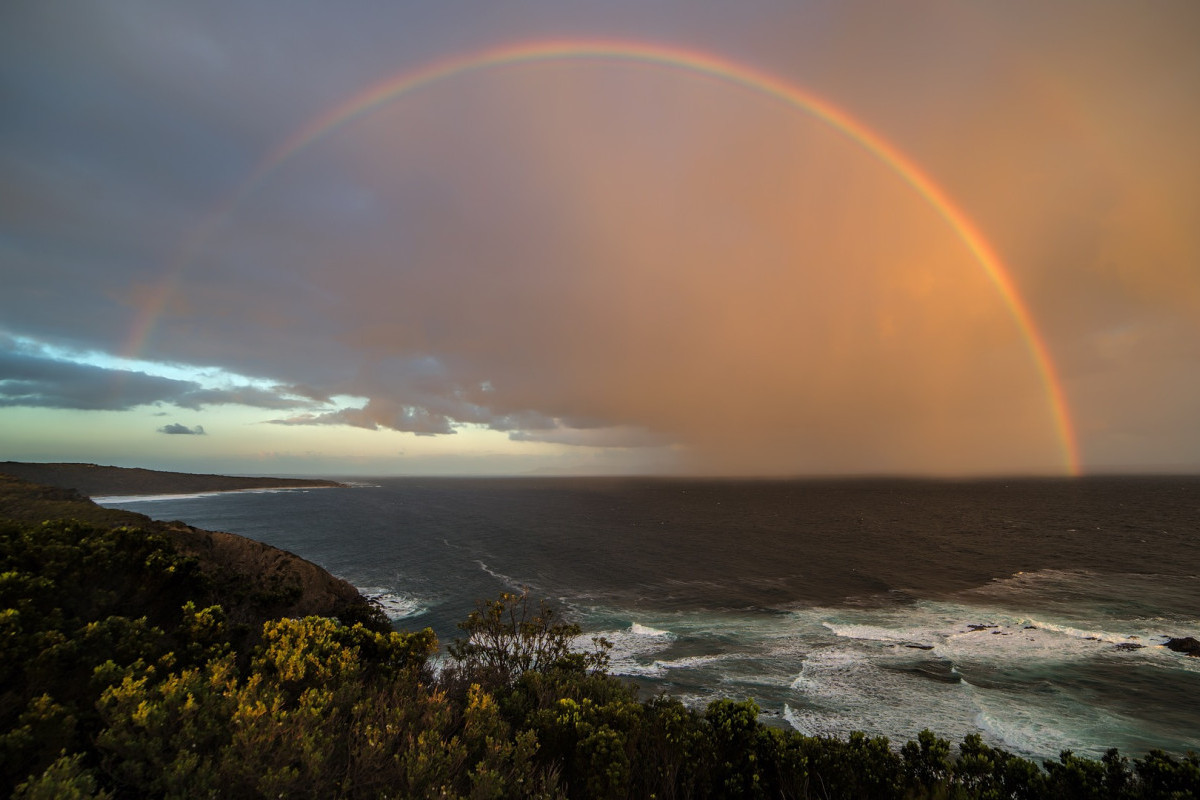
point(33, 379)
point(177, 428)
point(278, 398)
point(378, 413)
point(622, 437)
point(612, 255)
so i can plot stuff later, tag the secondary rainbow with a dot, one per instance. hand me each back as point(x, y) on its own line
point(721, 69)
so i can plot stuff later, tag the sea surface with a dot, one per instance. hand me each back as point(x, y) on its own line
point(1029, 611)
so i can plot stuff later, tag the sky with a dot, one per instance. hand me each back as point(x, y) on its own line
point(621, 237)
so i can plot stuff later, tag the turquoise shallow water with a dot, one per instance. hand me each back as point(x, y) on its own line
point(1032, 612)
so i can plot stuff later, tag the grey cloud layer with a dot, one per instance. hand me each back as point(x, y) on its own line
point(177, 428)
point(35, 381)
point(40, 382)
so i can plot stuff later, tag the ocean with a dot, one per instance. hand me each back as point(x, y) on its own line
point(1030, 611)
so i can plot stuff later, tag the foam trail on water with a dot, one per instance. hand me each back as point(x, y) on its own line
point(645, 630)
point(840, 690)
point(1097, 636)
point(882, 634)
point(692, 662)
point(153, 498)
point(511, 583)
point(633, 649)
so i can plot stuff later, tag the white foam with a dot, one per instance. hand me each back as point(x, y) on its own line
point(512, 583)
point(1053, 724)
point(895, 670)
point(632, 653)
point(1021, 732)
point(882, 634)
point(1087, 635)
point(799, 722)
point(395, 604)
point(645, 630)
point(985, 635)
point(693, 662)
point(844, 688)
point(822, 663)
point(106, 500)
point(150, 498)
point(1022, 641)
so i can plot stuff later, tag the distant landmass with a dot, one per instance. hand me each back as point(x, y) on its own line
point(94, 480)
point(254, 581)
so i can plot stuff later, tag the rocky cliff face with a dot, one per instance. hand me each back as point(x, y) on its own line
point(270, 582)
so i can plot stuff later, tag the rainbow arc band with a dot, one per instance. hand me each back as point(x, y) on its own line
point(725, 70)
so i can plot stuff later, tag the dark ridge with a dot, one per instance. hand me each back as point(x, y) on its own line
point(97, 481)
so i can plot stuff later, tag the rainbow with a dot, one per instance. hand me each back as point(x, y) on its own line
point(721, 69)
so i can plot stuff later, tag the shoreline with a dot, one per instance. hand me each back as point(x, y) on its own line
point(96, 481)
point(150, 497)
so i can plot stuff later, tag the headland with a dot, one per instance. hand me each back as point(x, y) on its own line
point(94, 480)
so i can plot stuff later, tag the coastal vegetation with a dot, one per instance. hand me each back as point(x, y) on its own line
point(131, 667)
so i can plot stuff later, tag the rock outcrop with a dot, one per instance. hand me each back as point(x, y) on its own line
point(270, 582)
point(1187, 645)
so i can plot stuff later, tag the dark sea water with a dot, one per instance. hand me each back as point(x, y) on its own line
point(1009, 608)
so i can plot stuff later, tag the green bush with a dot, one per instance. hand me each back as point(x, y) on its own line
point(122, 679)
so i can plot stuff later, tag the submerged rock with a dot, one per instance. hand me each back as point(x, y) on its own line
point(1129, 646)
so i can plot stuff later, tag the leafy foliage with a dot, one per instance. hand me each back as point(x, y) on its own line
point(122, 679)
point(510, 636)
point(80, 607)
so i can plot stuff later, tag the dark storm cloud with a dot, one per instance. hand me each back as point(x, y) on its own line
point(178, 428)
point(36, 381)
point(32, 381)
point(245, 396)
point(376, 415)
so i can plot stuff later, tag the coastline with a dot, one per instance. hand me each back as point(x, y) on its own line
point(251, 579)
point(150, 497)
point(98, 481)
